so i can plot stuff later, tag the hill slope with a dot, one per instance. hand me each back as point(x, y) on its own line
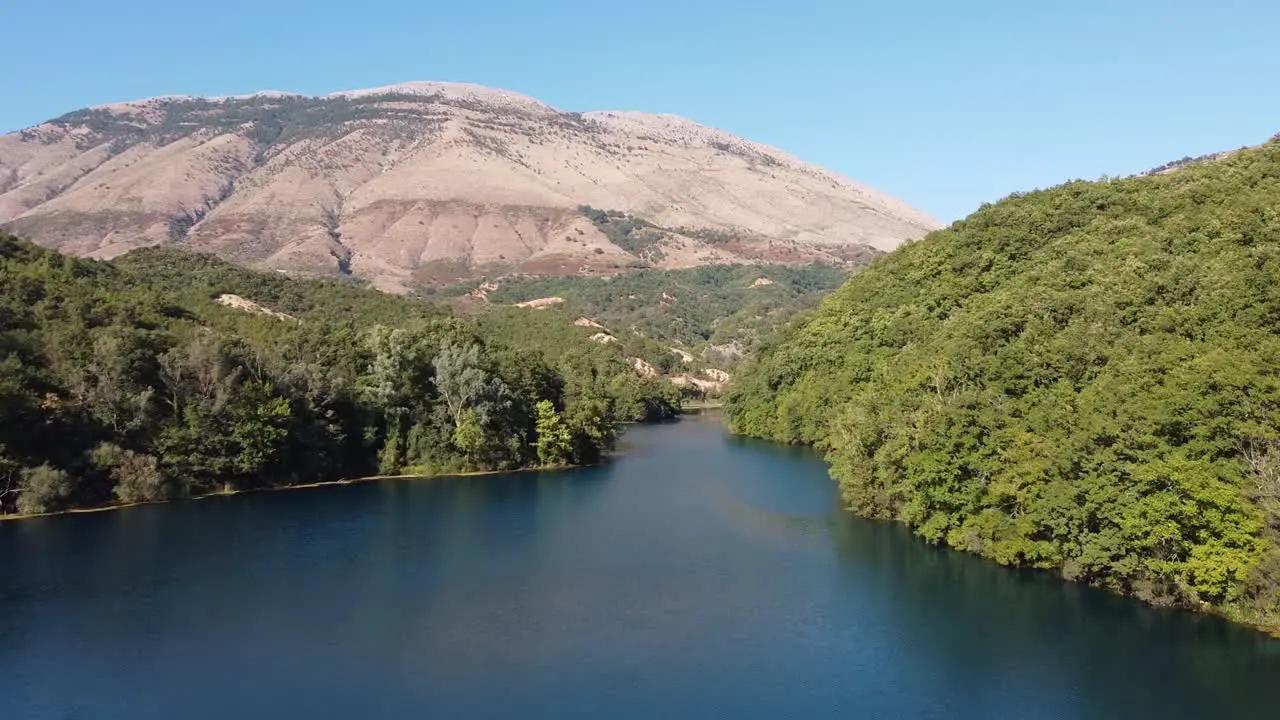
point(717, 312)
point(428, 182)
point(1084, 379)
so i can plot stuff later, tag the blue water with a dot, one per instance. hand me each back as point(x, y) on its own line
point(699, 576)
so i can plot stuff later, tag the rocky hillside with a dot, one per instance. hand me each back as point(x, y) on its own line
point(429, 183)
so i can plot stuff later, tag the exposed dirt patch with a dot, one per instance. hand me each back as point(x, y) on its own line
point(644, 369)
point(245, 304)
point(540, 303)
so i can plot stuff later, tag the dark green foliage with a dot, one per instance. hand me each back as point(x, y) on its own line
point(179, 226)
point(265, 120)
point(633, 234)
point(128, 382)
point(718, 236)
point(273, 121)
point(1084, 379)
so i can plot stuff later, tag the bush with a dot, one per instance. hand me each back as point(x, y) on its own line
point(44, 489)
point(138, 479)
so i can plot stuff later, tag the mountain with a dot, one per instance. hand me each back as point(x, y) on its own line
point(430, 183)
point(1081, 380)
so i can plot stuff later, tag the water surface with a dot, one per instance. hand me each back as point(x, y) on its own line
point(699, 576)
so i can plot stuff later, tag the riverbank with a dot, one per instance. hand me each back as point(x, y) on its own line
point(689, 409)
point(1262, 622)
point(303, 486)
point(700, 405)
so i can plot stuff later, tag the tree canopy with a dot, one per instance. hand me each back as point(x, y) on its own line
point(128, 381)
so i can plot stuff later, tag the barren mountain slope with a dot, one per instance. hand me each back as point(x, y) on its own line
point(429, 182)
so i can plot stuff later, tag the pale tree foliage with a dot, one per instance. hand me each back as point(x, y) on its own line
point(137, 476)
point(388, 383)
point(473, 398)
point(201, 371)
point(1263, 460)
point(109, 384)
point(43, 489)
point(10, 477)
point(464, 385)
point(138, 479)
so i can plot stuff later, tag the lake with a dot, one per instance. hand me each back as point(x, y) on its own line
point(699, 575)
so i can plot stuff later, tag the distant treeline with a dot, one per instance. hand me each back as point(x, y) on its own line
point(711, 305)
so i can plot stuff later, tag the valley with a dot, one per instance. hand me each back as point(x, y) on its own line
point(675, 360)
point(425, 278)
point(434, 278)
point(716, 314)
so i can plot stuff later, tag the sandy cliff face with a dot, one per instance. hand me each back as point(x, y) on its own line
point(429, 182)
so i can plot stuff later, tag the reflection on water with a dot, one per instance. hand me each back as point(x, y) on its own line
point(698, 576)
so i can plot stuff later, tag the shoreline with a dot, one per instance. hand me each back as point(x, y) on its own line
point(702, 405)
point(1201, 610)
point(9, 517)
point(303, 486)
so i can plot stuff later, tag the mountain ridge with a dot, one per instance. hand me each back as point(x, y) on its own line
point(427, 182)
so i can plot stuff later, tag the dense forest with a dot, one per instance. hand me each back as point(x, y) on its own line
point(135, 381)
point(1084, 379)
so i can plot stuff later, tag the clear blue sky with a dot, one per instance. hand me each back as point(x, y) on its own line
point(942, 103)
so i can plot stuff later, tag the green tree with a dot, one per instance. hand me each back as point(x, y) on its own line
point(259, 423)
point(555, 440)
point(116, 381)
point(468, 434)
point(593, 426)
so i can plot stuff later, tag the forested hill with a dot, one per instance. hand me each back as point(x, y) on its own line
point(170, 374)
point(717, 312)
point(1084, 379)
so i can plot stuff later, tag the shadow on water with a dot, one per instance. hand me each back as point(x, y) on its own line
point(975, 621)
point(1114, 656)
point(103, 563)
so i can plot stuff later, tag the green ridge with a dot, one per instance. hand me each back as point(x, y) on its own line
point(1083, 379)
